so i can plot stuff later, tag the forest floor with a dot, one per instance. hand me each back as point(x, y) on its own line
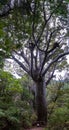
point(36, 128)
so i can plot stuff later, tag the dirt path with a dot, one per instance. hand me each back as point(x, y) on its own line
point(36, 128)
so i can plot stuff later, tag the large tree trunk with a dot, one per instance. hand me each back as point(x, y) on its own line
point(41, 106)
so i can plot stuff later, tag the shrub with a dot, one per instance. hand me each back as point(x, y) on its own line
point(59, 118)
point(58, 107)
point(8, 121)
point(15, 108)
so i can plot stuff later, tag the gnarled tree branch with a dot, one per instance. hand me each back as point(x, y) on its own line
point(23, 56)
point(20, 64)
point(53, 61)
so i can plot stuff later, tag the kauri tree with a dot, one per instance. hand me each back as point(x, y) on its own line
point(37, 32)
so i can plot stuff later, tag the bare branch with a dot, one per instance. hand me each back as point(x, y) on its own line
point(55, 60)
point(48, 81)
point(38, 40)
point(20, 64)
point(56, 45)
point(33, 22)
point(44, 12)
point(23, 56)
point(43, 28)
point(36, 59)
point(42, 65)
point(50, 55)
point(49, 40)
point(47, 20)
point(47, 52)
point(31, 51)
point(40, 58)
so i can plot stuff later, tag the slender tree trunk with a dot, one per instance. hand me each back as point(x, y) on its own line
point(41, 106)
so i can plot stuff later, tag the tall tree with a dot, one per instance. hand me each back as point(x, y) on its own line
point(38, 40)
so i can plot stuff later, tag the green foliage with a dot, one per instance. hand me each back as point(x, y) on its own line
point(58, 106)
point(15, 107)
point(67, 0)
point(9, 83)
point(3, 2)
point(25, 119)
point(61, 9)
point(9, 118)
point(59, 118)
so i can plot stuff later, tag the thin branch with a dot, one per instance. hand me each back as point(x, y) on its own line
point(38, 40)
point(36, 59)
point(44, 12)
point(49, 40)
point(40, 58)
point(33, 22)
point(56, 45)
point(45, 23)
point(31, 62)
point(20, 64)
point(47, 20)
point(48, 81)
point(25, 58)
point(55, 60)
point(50, 55)
point(43, 62)
point(40, 49)
point(46, 53)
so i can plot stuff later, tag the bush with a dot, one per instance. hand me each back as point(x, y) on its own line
point(15, 108)
point(58, 107)
point(28, 118)
point(8, 121)
point(59, 118)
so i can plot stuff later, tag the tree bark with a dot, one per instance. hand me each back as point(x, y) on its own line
point(41, 106)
